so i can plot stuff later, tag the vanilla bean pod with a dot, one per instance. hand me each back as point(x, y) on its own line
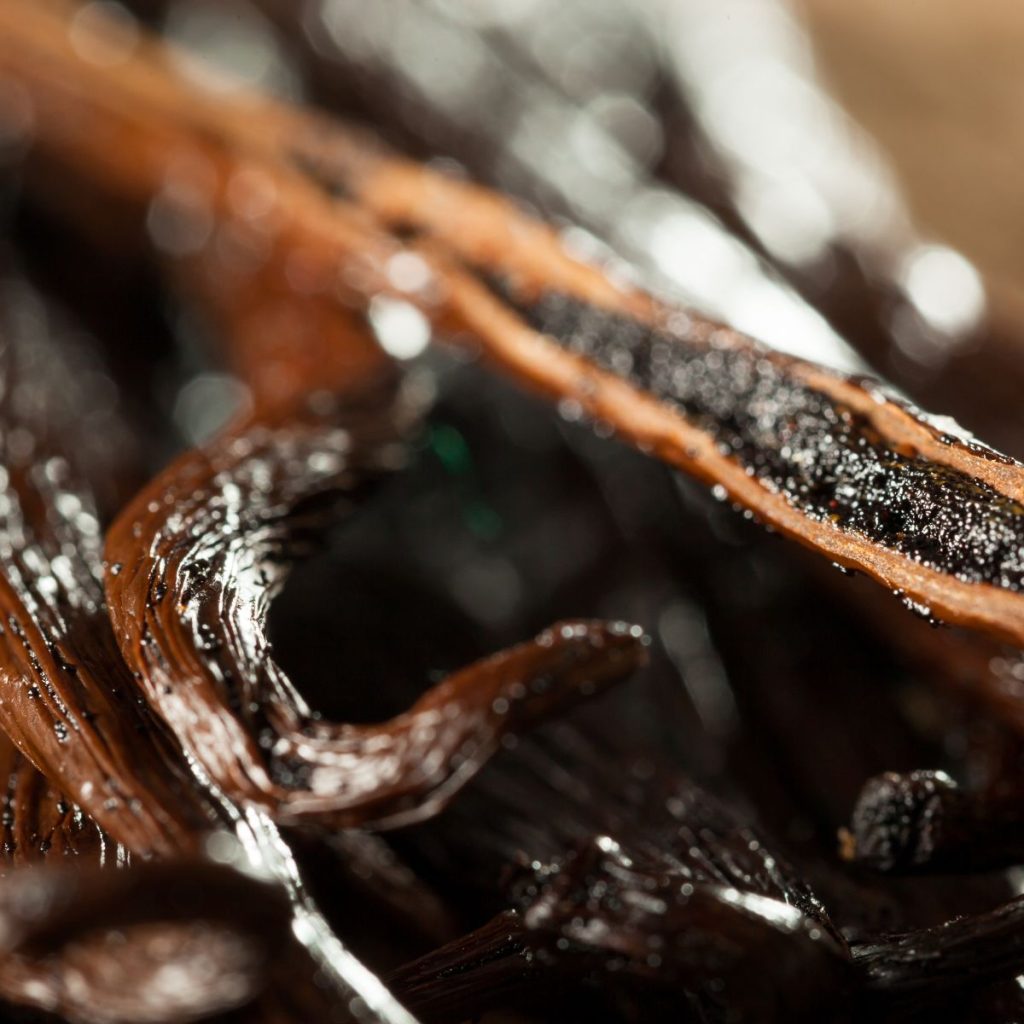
point(69, 702)
point(603, 909)
point(925, 965)
point(303, 460)
point(853, 286)
point(205, 537)
point(694, 911)
point(832, 462)
point(924, 821)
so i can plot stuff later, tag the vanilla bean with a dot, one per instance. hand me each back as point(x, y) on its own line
point(645, 918)
point(925, 965)
point(264, 192)
point(216, 530)
point(924, 821)
point(468, 976)
point(975, 377)
point(602, 909)
point(690, 897)
point(833, 440)
point(198, 555)
point(69, 702)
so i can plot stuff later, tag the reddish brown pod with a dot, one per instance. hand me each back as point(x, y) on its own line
point(68, 701)
point(194, 562)
point(836, 463)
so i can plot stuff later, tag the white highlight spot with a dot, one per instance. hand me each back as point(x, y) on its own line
point(408, 272)
point(402, 329)
point(776, 912)
point(206, 403)
point(945, 288)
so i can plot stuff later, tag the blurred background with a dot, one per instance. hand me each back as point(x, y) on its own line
point(937, 87)
point(839, 180)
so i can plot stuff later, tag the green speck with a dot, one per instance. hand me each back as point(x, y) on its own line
point(451, 448)
point(483, 520)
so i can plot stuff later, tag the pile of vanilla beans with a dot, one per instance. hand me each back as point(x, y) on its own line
point(340, 685)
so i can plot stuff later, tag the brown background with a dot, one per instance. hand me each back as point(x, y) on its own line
point(940, 84)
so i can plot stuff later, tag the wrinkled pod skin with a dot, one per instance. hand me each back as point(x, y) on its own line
point(736, 952)
point(40, 824)
point(923, 821)
point(922, 967)
point(90, 772)
point(68, 701)
point(194, 562)
point(699, 908)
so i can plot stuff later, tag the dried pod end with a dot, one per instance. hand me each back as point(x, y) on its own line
point(899, 819)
